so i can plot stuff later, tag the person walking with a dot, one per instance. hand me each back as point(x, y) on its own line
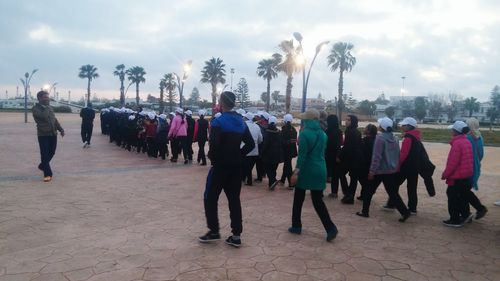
point(409, 162)
point(475, 138)
point(333, 168)
point(227, 156)
point(310, 174)
point(289, 140)
point(383, 169)
point(458, 172)
point(350, 157)
point(162, 136)
point(272, 153)
point(87, 114)
point(251, 157)
point(201, 137)
point(47, 126)
point(368, 141)
point(178, 134)
point(190, 134)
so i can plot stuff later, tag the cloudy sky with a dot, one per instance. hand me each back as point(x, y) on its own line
point(440, 46)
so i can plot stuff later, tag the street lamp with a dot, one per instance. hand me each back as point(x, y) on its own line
point(302, 61)
point(185, 75)
point(403, 89)
point(232, 72)
point(26, 85)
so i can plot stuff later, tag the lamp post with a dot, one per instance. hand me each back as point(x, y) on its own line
point(305, 80)
point(26, 84)
point(232, 72)
point(180, 83)
point(403, 89)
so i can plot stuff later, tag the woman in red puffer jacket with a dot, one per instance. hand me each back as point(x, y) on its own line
point(459, 169)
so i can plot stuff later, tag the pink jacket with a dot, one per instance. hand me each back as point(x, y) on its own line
point(460, 164)
point(177, 127)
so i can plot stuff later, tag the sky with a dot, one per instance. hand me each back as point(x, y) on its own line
point(439, 46)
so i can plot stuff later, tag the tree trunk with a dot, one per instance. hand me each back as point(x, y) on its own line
point(340, 103)
point(88, 91)
point(170, 100)
point(288, 97)
point(162, 105)
point(214, 97)
point(137, 94)
point(122, 94)
point(268, 101)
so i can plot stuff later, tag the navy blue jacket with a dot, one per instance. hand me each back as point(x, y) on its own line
point(226, 135)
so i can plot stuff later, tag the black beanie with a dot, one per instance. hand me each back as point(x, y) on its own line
point(228, 99)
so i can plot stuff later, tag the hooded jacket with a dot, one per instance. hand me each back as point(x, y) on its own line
point(311, 158)
point(460, 163)
point(178, 127)
point(385, 157)
point(351, 154)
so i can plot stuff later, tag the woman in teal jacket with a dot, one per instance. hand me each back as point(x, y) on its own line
point(310, 174)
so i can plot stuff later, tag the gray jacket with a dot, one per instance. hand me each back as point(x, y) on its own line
point(385, 157)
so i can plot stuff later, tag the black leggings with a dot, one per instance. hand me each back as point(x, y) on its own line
point(319, 206)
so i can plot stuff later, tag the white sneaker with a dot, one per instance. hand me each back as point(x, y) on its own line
point(497, 203)
point(85, 145)
point(88, 145)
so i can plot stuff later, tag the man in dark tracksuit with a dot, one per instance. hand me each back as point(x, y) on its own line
point(46, 127)
point(227, 133)
point(88, 115)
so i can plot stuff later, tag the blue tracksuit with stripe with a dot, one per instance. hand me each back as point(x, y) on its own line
point(226, 135)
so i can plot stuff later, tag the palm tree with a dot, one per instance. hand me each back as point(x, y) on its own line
point(136, 75)
point(170, 86)
point(213, 72)
point(88, 72)
point(289, 67)
point(268, 70)
point(472, 105)
point(120, 72)
point(276, 96)
point(162, 88)
point(341, 58)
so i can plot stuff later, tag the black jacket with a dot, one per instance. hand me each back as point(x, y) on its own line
point(351, 154)
point(202, 133)
point(272, 147)
point(289, 140)
point(88, 115)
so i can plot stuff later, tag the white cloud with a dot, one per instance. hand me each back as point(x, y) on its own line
point(45, 33)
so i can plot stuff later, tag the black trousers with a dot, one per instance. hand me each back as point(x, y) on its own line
point(458, 200)
point(350, 190)
point(229, 180)
point(152, 150)
point(201, 152)
point(179, 145)
point(338, 175)
point(259, 166)
point(86, 132)
point(319, 207)
point(162, 149)
point(390, 186)
point(411, 179)
point(189, 147)
point(287, 170)
point(473, 201)
point(48, 145)
point(271, 172)
point(249, 163)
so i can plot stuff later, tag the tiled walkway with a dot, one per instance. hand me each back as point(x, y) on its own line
point(114, 215)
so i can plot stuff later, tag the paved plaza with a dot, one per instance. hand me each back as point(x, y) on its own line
point(110, 214)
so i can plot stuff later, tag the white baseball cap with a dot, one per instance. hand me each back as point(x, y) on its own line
point(272, 120)
point(409, 121)
point(131, 117)
point(249, 116)
point(217, 115)
point(241, 111)
point(266, 115)
point(189, 112)
point(202, 112)
point(385, 123)
point(179, 110)
point(163, 116)
point(458, 126)
point(288, 118)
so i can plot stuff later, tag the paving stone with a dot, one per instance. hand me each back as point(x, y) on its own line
point(162, 273)
point(80, 274)
point(243, 274)
point(367, 266)
point(275, 276)
point(50, 277)
point(290, 264)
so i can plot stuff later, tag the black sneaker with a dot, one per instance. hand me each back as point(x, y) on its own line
point(273, 185)
point(413, 212)
point(388, 208)
point(209, 237)
point(481, 213)
point(467, 219)
point(235, 242)
point(347, 200)
point(364, 215)
point(333, 195)
point(451, 223)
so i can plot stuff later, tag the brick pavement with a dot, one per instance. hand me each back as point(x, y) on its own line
point(113, 215)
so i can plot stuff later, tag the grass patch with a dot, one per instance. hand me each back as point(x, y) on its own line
point(444, 135)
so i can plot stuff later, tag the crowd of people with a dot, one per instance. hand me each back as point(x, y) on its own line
point(239, 141)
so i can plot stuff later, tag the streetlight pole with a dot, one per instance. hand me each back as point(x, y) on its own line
point(232, 72)
point(305, 80)
point(403, 89)
point(26, 84)
point(180, 83)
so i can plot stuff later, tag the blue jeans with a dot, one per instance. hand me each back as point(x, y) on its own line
point(48, 146)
